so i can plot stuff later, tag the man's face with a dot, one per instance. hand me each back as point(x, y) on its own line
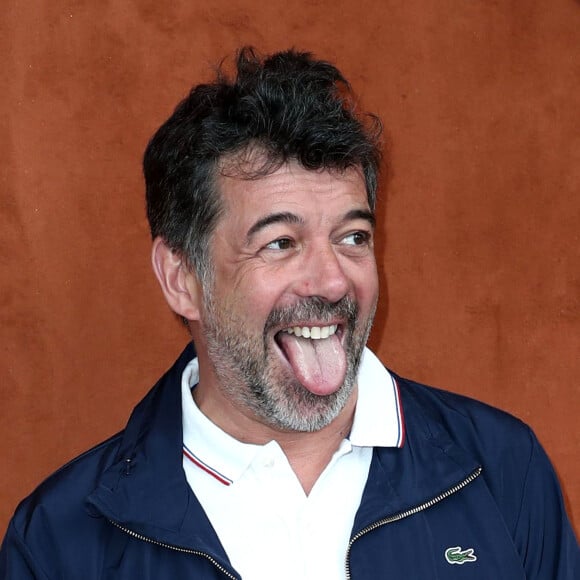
point(293, 294)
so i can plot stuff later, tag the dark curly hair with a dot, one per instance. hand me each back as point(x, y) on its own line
point(287, 106)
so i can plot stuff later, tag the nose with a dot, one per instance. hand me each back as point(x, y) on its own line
point(322, 274)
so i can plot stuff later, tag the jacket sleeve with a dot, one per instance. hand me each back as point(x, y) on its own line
point(543, 533)
point(16, 561)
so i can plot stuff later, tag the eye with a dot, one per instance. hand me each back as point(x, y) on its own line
point(280, 244)
point(356, 239)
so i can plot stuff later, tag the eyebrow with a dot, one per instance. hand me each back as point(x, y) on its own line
point(361, 214)
point(284, 217)
point(287, 217)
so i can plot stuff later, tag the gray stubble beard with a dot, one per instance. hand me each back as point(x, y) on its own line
point(241, 365)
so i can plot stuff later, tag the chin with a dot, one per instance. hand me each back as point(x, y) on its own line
point(300, 410)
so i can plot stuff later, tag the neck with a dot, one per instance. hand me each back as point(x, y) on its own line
point(308, 453)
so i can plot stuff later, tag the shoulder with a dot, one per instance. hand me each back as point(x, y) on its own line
point(503, 445)
point(52, 523)
point(468, 421)
point(60, 498)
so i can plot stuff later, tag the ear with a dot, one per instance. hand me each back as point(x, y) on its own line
point(178, 283)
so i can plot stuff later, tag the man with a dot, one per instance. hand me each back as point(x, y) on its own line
point(278, 448)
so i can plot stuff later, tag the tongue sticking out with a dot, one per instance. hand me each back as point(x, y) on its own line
point(319, 365)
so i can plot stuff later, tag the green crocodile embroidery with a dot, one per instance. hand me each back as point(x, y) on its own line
point(456, 555)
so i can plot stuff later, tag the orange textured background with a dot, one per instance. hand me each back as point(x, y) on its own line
point(479, 227)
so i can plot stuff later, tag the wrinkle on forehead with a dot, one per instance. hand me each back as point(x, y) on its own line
point(297, 191)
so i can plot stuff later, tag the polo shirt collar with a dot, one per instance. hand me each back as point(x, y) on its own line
point(204, 443)
point(378, 422)
point(378, 418)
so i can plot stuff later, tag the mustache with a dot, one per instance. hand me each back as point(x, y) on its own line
point(313, 308)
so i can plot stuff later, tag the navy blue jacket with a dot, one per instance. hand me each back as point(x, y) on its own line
point(471, 494)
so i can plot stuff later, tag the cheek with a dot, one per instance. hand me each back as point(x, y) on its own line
point(254, 300)
point(367, 287)
point(263, 300)
point(267, 289)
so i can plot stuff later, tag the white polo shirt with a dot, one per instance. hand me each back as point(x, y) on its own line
point(268, 526)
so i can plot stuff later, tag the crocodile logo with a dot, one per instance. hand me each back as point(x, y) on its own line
point(456, 555)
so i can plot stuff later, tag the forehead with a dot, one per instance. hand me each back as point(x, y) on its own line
point(291, 187)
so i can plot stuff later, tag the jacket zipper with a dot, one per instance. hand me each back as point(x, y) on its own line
point(410, 512)
point(174, 548)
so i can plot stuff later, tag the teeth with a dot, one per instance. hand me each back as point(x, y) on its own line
point(313, 332)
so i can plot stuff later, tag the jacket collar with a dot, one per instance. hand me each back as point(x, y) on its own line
point(429, 464)
point(145, 490)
